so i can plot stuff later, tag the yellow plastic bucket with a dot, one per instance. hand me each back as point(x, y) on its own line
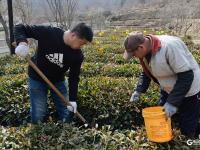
point(157, 128)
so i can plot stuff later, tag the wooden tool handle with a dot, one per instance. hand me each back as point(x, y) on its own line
point(64, 100)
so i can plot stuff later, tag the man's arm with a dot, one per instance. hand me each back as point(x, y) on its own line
point(22, 32)
point(73, 80)
point(142, 86)
point(143, 83)
point(182, 86)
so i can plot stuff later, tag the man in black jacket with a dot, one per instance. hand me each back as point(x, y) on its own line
point(58, 51)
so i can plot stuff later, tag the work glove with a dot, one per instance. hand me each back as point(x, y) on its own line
point(170, 110)
point(73, 107)
point(22, 50)
point(135, 96)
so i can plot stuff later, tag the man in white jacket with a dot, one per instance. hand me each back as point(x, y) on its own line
point(167, 61)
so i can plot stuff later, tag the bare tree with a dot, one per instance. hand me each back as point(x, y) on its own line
point(23, 10)
point(142, 1)
point(4, 23)
point(97, 18)
point(91, 18)
point(63, 12)
point(178, 14)
point(122, 2)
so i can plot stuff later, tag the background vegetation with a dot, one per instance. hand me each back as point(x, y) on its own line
point(106, 84)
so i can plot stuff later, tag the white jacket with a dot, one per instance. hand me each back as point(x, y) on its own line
point(174, 57)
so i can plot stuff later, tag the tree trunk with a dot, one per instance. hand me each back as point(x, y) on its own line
point(5, 27)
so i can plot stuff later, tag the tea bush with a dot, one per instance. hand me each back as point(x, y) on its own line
point(66, 136)
point(110, 70)
point(14, 99)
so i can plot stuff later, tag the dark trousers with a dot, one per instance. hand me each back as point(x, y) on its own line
point(188, 116)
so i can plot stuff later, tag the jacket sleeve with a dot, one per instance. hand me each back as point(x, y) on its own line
point(22, 32)
point(181, 87)
point(143, 83)
point(73, 80)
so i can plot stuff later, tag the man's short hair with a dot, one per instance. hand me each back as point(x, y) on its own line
point(83, 31)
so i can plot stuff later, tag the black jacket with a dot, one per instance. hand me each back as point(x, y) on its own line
point(53, 57)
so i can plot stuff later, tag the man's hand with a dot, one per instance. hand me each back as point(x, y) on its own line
point(73, 107)
point(135, 97)
point(22, 50)
point(170, 110)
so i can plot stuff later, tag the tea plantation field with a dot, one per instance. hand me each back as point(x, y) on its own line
point(106, 83)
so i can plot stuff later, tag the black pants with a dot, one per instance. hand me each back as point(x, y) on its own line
point(188, 116)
